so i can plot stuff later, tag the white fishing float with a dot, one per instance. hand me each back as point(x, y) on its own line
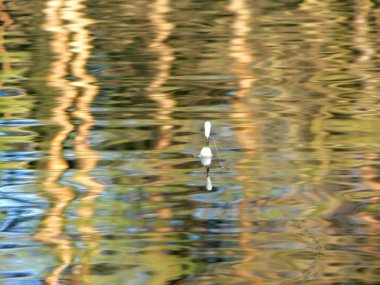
point(206, 156)
point(206, 153)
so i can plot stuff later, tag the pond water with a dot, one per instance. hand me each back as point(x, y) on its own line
point(102, 111)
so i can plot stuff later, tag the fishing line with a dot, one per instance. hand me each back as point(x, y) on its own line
point(217, 153)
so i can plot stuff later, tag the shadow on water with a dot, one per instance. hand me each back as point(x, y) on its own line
point(103, 107)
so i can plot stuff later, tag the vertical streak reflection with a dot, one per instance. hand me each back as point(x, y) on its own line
point(364, 62)
point(7, 21)
point(239, 47)
point(71, 49)
point(240, 52)
point(163, 29)
point(51, 230)
point(87, 158)
point(362, 42)
point(168, 267)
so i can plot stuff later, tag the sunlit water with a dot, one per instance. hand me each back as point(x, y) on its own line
point(102, 112)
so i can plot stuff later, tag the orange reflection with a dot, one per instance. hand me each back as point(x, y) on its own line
point(6, 22)
point(86, 156)
point(51, 230)
point(239, 47)
point(370, 175)
point(168, 266)
point(364, 63)
point(240, 52)
point(71, 47)
point(163, 29)
point(363, 9)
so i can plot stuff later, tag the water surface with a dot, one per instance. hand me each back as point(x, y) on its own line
point(102, 112)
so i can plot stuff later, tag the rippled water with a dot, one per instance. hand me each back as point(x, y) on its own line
point(102, 111)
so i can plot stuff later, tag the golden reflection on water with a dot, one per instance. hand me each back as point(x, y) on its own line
point(241, 53)
point(71, 47)
point(6, 22)
point(163, 266)
point(162, 29)
point(87, 158)
point(51, 230)
point(292, 90)
point(364, 62)
point(363, 43)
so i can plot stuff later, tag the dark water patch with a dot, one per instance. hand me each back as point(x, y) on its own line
point(15, 275)
point(109, 269)
point(211, 280)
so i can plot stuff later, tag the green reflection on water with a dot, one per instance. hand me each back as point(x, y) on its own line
point(103, 106)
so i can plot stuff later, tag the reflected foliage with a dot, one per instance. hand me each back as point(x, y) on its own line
point(103, 105)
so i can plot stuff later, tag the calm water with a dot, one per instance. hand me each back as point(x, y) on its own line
point(102, 111)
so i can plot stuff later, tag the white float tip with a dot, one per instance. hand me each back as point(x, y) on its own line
point(207, 129)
